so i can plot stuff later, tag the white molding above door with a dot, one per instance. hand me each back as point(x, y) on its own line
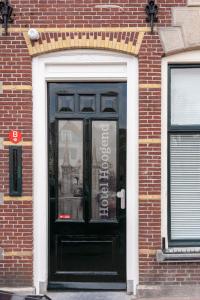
point(82, 65)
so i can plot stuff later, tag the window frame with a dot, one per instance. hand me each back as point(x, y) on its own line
point(177, 129)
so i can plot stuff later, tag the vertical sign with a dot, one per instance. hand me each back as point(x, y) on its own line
point(104, 170)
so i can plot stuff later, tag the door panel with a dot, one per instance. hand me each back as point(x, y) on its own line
point(87, 167)
point(78, 248)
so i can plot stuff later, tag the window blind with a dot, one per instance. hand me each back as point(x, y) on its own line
point(185, 186)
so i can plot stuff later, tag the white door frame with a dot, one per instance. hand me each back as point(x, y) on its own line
point(82, 65)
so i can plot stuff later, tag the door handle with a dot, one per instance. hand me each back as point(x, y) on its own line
point(122, 195)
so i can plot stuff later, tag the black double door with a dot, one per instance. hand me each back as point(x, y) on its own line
point(87, 182)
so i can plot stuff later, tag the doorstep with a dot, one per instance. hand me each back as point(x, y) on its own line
point(92, 295)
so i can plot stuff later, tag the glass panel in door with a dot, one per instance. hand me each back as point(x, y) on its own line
point(104, 170)
point(70, 170)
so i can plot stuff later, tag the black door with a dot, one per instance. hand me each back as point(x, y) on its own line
point(87, 181)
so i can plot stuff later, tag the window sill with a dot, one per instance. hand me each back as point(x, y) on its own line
point(178, 255)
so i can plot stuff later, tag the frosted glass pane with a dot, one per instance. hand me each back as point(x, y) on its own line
point(185, 96)
point(104, 170)
point(185, 186)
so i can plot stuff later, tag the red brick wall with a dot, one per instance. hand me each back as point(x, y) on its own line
point(16, 113)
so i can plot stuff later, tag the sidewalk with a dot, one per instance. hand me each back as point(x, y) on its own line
point(169, 298)
point(108, 296)
point(103, 295)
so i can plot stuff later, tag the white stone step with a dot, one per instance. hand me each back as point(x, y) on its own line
point(89, 295)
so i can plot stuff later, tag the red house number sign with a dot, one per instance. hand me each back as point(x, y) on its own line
point(15, 136)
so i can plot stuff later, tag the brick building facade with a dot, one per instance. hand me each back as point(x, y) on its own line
point(80, 36)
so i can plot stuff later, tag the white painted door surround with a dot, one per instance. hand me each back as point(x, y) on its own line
point(82, 65)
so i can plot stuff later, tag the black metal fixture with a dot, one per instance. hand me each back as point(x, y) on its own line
point(5, 14)
point(151, 10)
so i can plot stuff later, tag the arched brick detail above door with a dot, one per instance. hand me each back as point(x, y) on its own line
point(119, 40)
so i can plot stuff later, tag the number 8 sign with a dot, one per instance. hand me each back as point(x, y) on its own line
point(15, 136)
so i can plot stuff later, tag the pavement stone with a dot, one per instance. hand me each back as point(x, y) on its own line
point(170, 298)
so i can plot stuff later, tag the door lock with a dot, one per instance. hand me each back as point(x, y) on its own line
point(122, 195)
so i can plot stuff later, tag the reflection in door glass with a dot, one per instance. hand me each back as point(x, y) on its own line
point(70, 170)
point(104, 170)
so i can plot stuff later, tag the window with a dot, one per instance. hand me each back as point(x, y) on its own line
point(184, 155)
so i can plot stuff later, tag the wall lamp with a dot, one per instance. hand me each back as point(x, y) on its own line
point(151, 11)
point(5, 14)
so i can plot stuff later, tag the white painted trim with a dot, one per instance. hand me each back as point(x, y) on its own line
point(182, 58)
point(82, 65)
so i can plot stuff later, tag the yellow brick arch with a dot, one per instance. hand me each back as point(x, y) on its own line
point(82, 41)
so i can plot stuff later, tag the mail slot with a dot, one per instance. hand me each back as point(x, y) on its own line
point(15, 170)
